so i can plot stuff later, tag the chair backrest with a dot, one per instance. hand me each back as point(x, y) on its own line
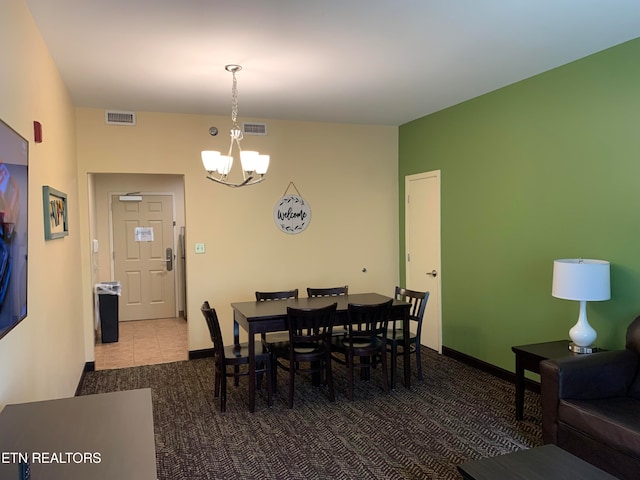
point(368, 320)
point(310, 325)
point(327, 292)
point(283, 295)
point(213, 323)
point(418, 301)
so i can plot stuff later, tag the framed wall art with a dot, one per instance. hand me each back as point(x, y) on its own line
point(55, 213)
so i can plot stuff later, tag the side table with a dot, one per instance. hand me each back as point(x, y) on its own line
point(102, 436)
point(528, 357)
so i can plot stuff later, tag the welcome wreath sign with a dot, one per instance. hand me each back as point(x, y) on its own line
point(292, 213)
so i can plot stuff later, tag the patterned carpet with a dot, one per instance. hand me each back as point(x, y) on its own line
point(456, 414)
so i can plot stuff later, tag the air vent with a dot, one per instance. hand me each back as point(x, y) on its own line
point(112, 117)
point(254, 128)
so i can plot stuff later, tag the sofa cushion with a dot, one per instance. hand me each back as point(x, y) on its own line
point(634, 389)
point(613, 421)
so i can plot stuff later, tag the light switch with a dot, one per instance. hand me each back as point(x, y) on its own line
point(200, 248)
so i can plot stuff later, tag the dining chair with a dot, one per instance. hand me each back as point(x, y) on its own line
point(395, 332)
point(232, 355)
point(275, 342)
point(327, 292)
point(282, 295)
point(365, 339)
point(309, 348)
point(330, 292)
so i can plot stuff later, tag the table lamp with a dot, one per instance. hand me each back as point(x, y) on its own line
point(584, 280)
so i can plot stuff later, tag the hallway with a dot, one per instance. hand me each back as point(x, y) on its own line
point(144, 342)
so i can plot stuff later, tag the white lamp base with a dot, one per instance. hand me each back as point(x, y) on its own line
point(582, 334)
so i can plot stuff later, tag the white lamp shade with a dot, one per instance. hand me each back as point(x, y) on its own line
point(262, 164)
point(248, 160)
point(210, 160)
point(581, 279)
point(224, 164)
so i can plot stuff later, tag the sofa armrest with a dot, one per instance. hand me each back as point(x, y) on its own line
point(598, 375)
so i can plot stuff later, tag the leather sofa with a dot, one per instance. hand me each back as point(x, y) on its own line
point(591, 406)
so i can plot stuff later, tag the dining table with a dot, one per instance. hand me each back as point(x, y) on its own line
point(271, 316)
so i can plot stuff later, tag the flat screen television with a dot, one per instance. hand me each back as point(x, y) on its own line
point(14, 162)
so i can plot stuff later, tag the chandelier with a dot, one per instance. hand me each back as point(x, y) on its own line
point(218, 166)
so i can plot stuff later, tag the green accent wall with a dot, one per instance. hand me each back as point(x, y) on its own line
point(546, 168)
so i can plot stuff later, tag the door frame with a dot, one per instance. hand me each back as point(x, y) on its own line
point(438, 267)
point(175, 242)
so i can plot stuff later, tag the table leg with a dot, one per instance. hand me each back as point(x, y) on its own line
point(252, 370)
point(519, 388)
point(236, 341)
point(392, 365)
point(407, 351)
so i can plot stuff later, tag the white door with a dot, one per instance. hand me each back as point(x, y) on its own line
point(143, 256)
point(422, 237)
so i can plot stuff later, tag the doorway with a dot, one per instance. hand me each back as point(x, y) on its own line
point(422, 238)
point(155, 336)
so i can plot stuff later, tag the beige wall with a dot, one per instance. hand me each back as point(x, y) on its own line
point(347, 173)
point(43, 356)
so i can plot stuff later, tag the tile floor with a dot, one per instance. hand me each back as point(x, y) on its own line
point(144, 342)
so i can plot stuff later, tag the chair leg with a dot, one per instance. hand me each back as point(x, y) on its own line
point(383, 362)
point(223, 393)
point(350, 368)
point(217, 381)
point(236, 379)
point(418, 359)
point(394, 361)
point(329, 375)
point(292, 375)
point(274, 374)
point(269, 383)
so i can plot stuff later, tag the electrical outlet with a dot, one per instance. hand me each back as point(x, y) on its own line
point(200, 248)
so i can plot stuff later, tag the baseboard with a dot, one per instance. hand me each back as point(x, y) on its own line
point(204, 353)
point(88, 367)
point(489, 368)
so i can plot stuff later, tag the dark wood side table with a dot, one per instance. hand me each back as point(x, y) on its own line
point(542, 463)
point(528, 357)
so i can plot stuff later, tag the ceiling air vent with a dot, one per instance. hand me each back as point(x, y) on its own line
point(113, 117)
point(254, 128)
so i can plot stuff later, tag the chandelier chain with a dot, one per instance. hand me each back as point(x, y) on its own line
point(234, 100)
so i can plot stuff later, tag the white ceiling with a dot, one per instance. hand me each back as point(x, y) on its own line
point(352, 61)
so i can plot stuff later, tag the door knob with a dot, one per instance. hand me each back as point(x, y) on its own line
point(433, 273)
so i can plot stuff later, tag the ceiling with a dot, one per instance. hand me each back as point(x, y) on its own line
point(359, 61)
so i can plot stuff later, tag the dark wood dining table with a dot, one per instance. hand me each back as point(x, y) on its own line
point(271, 316)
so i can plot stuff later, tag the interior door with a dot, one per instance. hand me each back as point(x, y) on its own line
point(422, 237)
point(143, 256)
